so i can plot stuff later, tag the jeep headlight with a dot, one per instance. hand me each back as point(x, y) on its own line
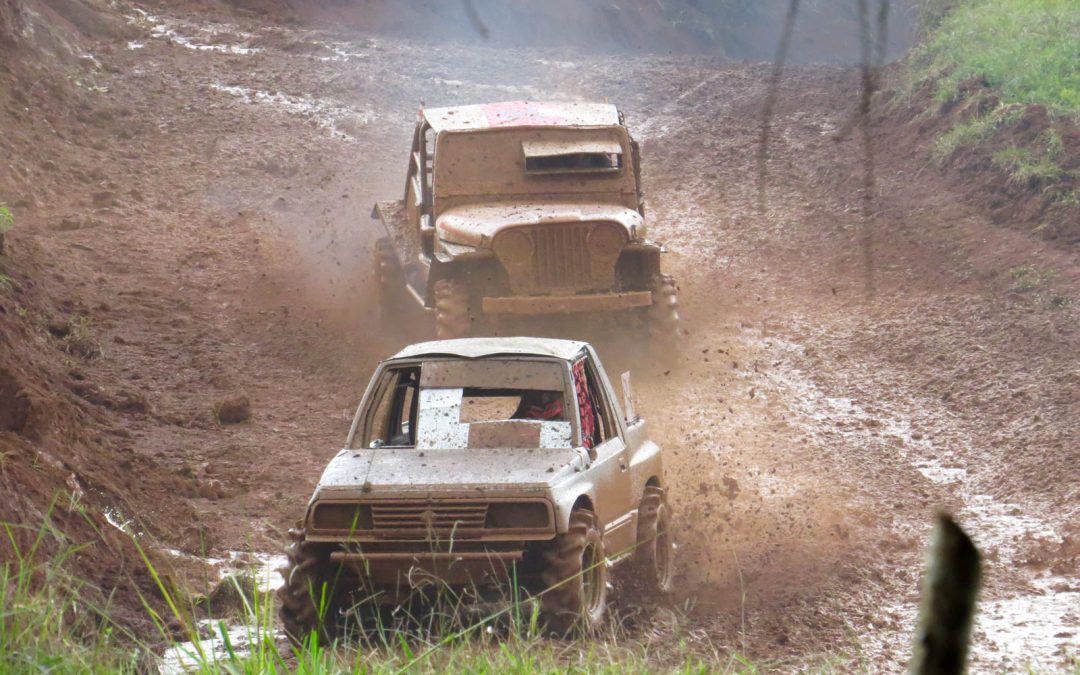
point(606, 241)
point(514, 247)
point(518, 515)
point(339, 516)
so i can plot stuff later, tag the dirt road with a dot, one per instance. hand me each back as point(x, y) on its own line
point(842, 379)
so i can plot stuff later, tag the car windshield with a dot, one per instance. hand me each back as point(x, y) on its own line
point(492, 404)
point(482, 403)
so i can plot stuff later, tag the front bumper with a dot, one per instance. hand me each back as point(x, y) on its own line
point(566, 304)
point(404, 570)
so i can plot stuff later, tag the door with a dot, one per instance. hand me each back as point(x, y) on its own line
point(609, 471)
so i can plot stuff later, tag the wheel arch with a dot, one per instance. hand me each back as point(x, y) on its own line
point(566, 504)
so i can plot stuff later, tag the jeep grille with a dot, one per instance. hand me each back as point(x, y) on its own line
point(557, 258)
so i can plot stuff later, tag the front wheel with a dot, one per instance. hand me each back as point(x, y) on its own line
point(452, 318)
point(575, 577)
point(307, 598)
point(663, 318)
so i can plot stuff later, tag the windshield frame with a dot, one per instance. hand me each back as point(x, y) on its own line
point(482, 181)
point(363, 418)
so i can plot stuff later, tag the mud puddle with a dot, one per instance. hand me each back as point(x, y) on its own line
point(221, 639)
point(1036, 626)
point(340, 122)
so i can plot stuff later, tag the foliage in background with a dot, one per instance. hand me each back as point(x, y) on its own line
point(987, 66)
point(1028, 50)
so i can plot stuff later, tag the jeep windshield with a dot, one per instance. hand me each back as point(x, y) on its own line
point(481, 404)
point(542, 161)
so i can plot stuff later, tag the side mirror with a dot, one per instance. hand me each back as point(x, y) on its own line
point(629, 412)
point(376, 444)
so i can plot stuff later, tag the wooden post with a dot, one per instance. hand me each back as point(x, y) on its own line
point(948, 602)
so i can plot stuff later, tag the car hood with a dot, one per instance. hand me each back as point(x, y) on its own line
point(477, 224)
point(411, 470)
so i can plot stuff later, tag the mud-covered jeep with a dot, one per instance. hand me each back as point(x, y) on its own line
point(523, 209)
point(473, 465)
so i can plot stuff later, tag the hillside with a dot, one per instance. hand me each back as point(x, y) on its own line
point(190, 186)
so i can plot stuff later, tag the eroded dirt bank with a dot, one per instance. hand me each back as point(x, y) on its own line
point(203, 205)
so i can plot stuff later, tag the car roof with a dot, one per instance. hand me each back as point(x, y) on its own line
point(521, 114)
point(480, 347)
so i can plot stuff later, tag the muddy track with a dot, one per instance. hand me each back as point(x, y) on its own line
point(814, 427)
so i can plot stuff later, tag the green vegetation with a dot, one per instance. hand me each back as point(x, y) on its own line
point(1027, 50)
point(976, 130)
point(80, 338)
point(1029, 279)
point(1040, 165)
point(6, 219)
point(987, 62)
point(50, 621)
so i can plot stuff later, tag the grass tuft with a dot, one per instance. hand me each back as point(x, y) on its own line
point(974, 131)
point(80, 339)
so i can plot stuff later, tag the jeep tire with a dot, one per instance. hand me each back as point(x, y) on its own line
point(662, 318)
point(452, 318)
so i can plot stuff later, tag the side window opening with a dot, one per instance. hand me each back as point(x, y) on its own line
point(394, 421)
point(597, 424)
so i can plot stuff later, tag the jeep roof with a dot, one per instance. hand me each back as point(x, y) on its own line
point(479, 347)
point(521, 114)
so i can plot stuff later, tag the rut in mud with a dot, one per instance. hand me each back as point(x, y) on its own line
point(210, 203)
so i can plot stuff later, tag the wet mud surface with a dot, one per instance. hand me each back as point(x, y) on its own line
point(842, 380)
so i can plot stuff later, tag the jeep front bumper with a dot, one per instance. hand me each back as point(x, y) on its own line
point(565, 304)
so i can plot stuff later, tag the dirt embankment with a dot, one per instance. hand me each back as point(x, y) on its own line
point(1022, 169)
point(66, 446)
point(192, 225)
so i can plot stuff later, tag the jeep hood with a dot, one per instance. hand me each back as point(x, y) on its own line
point(477, 224)
point(411, 470)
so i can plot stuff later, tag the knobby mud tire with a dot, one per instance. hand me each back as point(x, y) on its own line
point(654, 558)
point(388, 277)
point(299, 598)
point(575, 598)
point(452, 318)
point(663, 319)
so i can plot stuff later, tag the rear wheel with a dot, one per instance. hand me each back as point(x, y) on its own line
point(663, 318)
point(575, 577)
point(452, 318)
point(655, 553)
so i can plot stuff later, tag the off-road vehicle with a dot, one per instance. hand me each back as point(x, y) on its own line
point(473, 465)
point(523, 209)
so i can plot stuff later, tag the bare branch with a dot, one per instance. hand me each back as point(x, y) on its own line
point(770, 103)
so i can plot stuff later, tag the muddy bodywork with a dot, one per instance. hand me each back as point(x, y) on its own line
point(532, 208)
point(466, 503)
